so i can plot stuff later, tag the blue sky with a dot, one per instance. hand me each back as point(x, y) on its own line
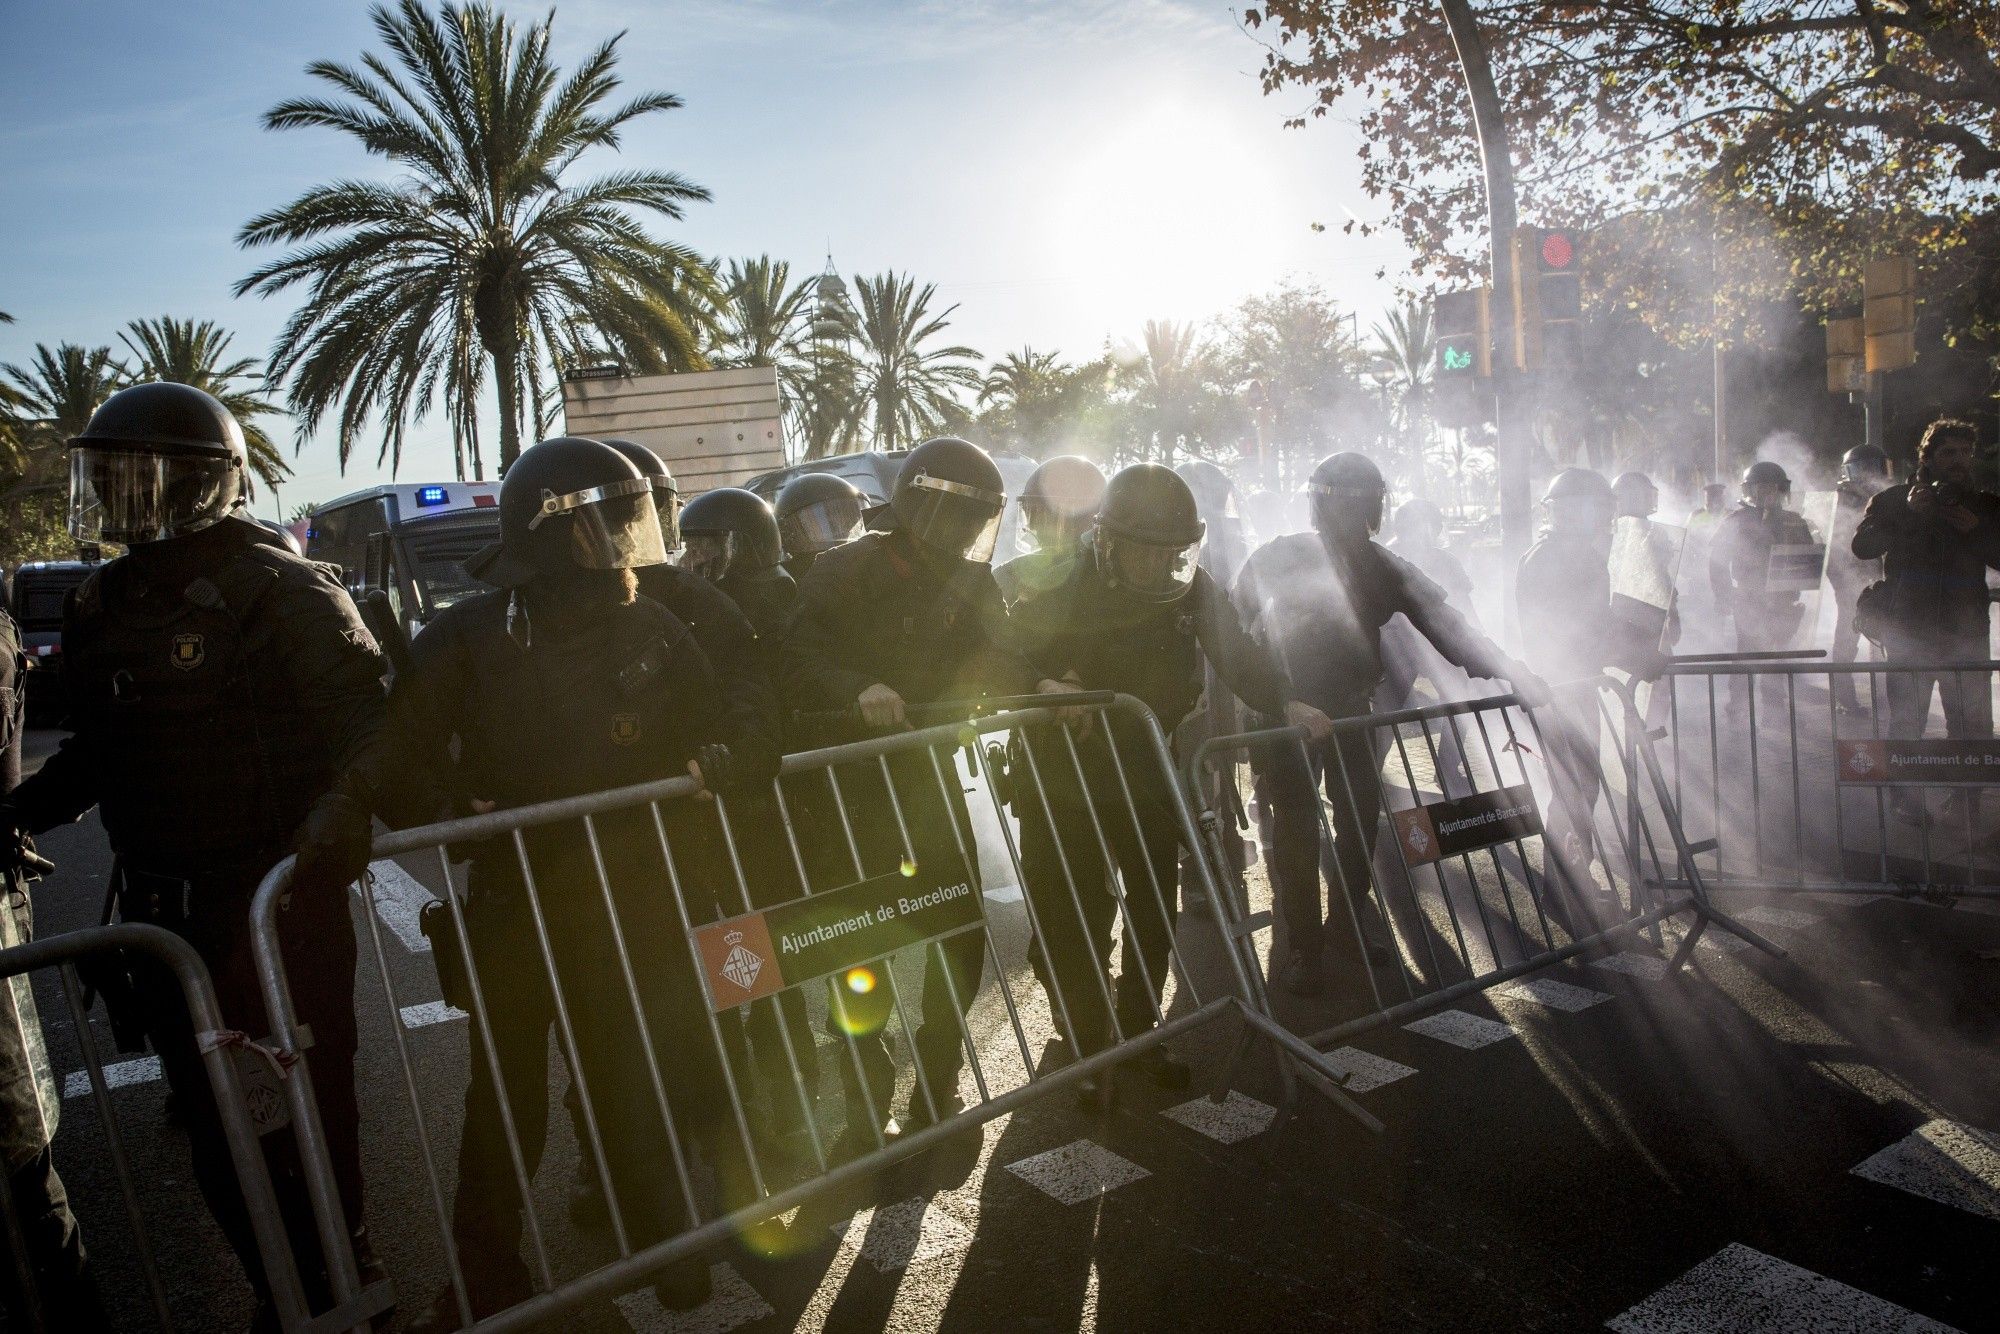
point(1062, 171)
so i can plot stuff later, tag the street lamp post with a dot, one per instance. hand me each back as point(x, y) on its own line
point(1511, 388)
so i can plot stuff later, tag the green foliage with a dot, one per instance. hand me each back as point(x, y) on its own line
point(1743, 155)
point(35, 526)
point(48, 401)
point(907, 384)
point(482, 253)
point(197, 354)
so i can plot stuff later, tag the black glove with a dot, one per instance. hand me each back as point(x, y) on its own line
point(718, 766)
point(17, 847)
point(333, 845)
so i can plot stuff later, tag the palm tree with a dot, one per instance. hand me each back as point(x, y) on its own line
point(1037, 403)
point(1174, 398)
point(197, 354)
point(480, 255)
point(53, 398)
point(909, 389)
point(1409, 346)
point(766, 315)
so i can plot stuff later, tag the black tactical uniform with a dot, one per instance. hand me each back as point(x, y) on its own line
point(1739, 564)
point(30, 1102)
point(1155, 645)
point(1319, 601)
point(1864, 472)
point(886, 609)
point(553, 686)
point(226, 705)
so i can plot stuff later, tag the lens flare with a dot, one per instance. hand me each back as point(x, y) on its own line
point(861, 980)
point(909, 868)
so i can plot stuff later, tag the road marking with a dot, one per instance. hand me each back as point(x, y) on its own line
point(116, 1076)
point(399, 902)
point(430, 1012)
point(1633, 963)
point(1748, 1292)
point(733, 1304)
point(1460, 1029)
point(1791, 919)
point(1721, 939)
point(1228, 1122)
point(1077, 1172)
point(894, 1236)
point(1556, 995)
point(1945, 1161)
point(1364, 1070)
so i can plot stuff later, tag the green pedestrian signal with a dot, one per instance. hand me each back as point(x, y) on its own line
point(1457, 358)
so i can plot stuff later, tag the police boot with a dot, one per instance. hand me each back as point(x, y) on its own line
point(1304, 974)
point(880, 1071)
point(936, 1098)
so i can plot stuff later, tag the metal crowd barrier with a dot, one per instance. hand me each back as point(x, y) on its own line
point(1819, 776)
point(828, 890)
point(1468, 889)
point(219, 1047)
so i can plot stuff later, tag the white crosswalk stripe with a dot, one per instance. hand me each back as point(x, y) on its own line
point(1077, 1172)
point(430, 1012)
point(1228, 1122)
point(1553, 994)
point(1791, 919)
point(1633, 963)
point(1944, 1161)
point(1470, 1031)
point(895, 1236)
point(1364, 1070)
point(117, 1075)
point(1742, 1291)
point(399, 902)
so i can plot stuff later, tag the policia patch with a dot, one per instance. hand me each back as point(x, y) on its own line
point(188, 652)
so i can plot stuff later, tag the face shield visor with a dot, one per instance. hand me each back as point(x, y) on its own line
point(667, 500)
point(708, 554)
point(821, 526)
point(612, 527)
point(132, 496)
point(1586, 516)
point(1769, 495)
point(1148, 571)
point(950, 517)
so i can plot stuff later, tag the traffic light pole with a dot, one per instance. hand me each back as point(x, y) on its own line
point(1512, 389)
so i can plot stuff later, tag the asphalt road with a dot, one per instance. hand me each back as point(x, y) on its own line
point(1755, 1144)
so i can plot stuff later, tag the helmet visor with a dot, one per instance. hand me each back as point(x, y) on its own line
point(951, 517)
point(708, 554)
point(1150, 571)
point(821, 526)
point(612, 527)
point(131, 495)
point(667, 500)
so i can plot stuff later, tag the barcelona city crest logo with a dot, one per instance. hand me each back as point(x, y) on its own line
point(741, 965)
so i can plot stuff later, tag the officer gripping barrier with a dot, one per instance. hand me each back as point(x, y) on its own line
point(1812, 776)
point(225, 1053)
point(683, 946)
point(1518, 837)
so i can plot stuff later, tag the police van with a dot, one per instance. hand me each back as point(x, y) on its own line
point(408, 543)
point(40, 588)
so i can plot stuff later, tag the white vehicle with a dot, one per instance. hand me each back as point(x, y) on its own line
point(408, 541)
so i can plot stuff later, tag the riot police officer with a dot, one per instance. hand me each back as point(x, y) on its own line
point(1739, 561)
point(889, 621)
point(1134, 612)
point(226, 704)
point(1318, 601)
point(1569, 631)
point(732, 541)
point(1057, 503)
point(64, 1295)
point(816, 512)
point(562, 663)
point(1864, 474)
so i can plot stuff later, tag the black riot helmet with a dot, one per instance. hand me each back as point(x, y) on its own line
point(666, 495)
point(1766, 485)
point(1060, 500)
point(818, 511)
point(156, 461)
point(286, 537)
point(948, 499)
point(1579, 500)
point(571, 504)
point(1864, 463)
point(1214, 493)
point(1635, 494)
point(730, 531)
point(1148, 534)
point(1347, 493)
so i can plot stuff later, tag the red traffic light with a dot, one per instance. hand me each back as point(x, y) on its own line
point(1558, 251)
